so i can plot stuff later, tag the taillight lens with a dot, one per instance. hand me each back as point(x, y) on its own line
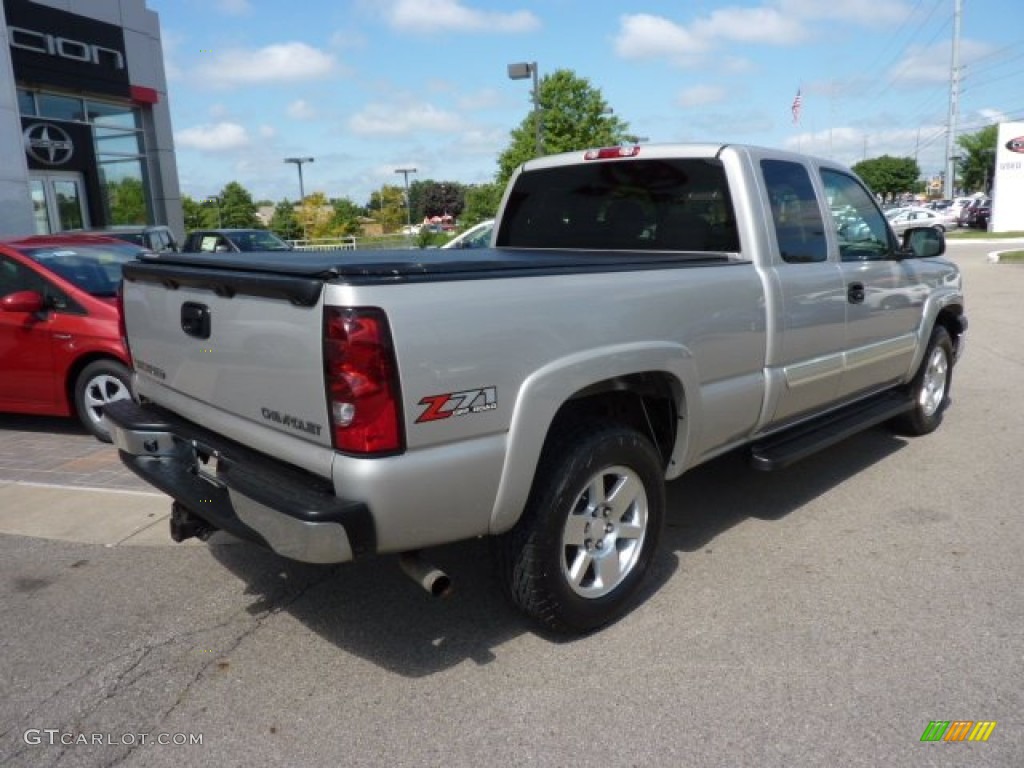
point(362, 381)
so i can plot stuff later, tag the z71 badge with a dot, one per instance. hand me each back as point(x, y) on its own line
point(458, 404)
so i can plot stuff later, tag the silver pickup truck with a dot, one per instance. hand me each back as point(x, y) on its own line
point(643, 310)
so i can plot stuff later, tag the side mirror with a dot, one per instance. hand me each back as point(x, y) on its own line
point(23, 301)
point(923, 243)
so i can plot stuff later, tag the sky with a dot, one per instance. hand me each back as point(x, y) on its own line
point(369, 86)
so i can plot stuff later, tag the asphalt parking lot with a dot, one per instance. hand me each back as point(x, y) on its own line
point(823, 615)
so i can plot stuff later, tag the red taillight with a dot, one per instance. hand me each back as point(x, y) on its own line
point(362, 381)
point(608, 153)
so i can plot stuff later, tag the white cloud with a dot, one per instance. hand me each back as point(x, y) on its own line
point(300, 109)
point(931, 64)
point(213, 138)
point(442, 15)
point(403, 119)
point(267, 131)
point(282, 62)
point(643, 36)
point(701, 95)
point(776, 22)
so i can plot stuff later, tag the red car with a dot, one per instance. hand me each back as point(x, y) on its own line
point(61, 348)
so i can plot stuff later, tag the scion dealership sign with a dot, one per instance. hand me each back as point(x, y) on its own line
point(65, 48)
point(60, 49)
point(48, 144)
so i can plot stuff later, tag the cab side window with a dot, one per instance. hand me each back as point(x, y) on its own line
point(861, 228)
point(799, 229)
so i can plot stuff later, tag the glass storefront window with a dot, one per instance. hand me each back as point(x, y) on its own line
point(116, 142)
point(40, 211)
point(114, 115)
point(124, 191)
point(60, 107)
point(26, 102)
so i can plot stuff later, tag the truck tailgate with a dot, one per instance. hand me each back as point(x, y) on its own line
point(242, 343)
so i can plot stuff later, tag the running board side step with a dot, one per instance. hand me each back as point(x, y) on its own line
point(787, 447)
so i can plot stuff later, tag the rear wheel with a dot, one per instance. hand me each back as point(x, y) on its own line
point(589, 531)
point(930, 387)
point(99, 383)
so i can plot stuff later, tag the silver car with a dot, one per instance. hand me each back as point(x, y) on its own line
point(918, 217)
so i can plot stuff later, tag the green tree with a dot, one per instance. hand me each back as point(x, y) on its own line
point(193, 213)
point(284, 221)
point(574, 115)
point(237, 210)
point(887, 175)
point(388, 205)
point(482, 201)
point(976, 167)
point(439, 198)
point(126, 201)
point(345, 219)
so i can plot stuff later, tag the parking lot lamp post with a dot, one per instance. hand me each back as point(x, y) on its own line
point(302, 191)
point(298, 162)
point(521, 71)
point(408, 203)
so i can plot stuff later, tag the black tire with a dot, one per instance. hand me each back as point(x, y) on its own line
point(576, 558)
point(930, 387)
point(100, 382)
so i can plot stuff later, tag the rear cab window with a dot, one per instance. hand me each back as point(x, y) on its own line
point(629, 205)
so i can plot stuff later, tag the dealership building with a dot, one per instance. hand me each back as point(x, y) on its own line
point(85, 126)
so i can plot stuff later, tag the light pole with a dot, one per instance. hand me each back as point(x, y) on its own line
point(298, 162)
point(520, 71)
point(408, 203)
point(302, 191)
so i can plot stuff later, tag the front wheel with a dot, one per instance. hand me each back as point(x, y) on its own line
point(99, 383)
point(589, 531)
point(930, 387)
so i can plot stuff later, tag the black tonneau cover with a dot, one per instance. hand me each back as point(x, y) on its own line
point(410, 264)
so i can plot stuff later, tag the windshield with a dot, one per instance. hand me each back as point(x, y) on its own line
point(96, 269)
point(258, 240)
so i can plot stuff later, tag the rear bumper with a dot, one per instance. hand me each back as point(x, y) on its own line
point(233, 488)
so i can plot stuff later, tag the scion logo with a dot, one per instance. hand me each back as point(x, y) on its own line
point(458, 404)
point(1016, 145)
point(48, 144)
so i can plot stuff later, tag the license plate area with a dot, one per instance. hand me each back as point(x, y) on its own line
point(207, 465)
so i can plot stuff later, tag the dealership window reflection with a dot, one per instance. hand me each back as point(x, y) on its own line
point(124, 186)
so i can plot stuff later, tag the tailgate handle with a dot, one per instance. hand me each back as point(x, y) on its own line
point(195, 319)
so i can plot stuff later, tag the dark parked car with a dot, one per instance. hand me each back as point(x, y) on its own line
point(156, 237)
point(61, 348)
point(978, 216)
point(226, 240)
point(967, 212)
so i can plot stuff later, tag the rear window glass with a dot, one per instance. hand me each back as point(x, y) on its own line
point(638, 205)
point(95, 269)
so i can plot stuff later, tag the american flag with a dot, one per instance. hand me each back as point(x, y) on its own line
point(795, 109)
